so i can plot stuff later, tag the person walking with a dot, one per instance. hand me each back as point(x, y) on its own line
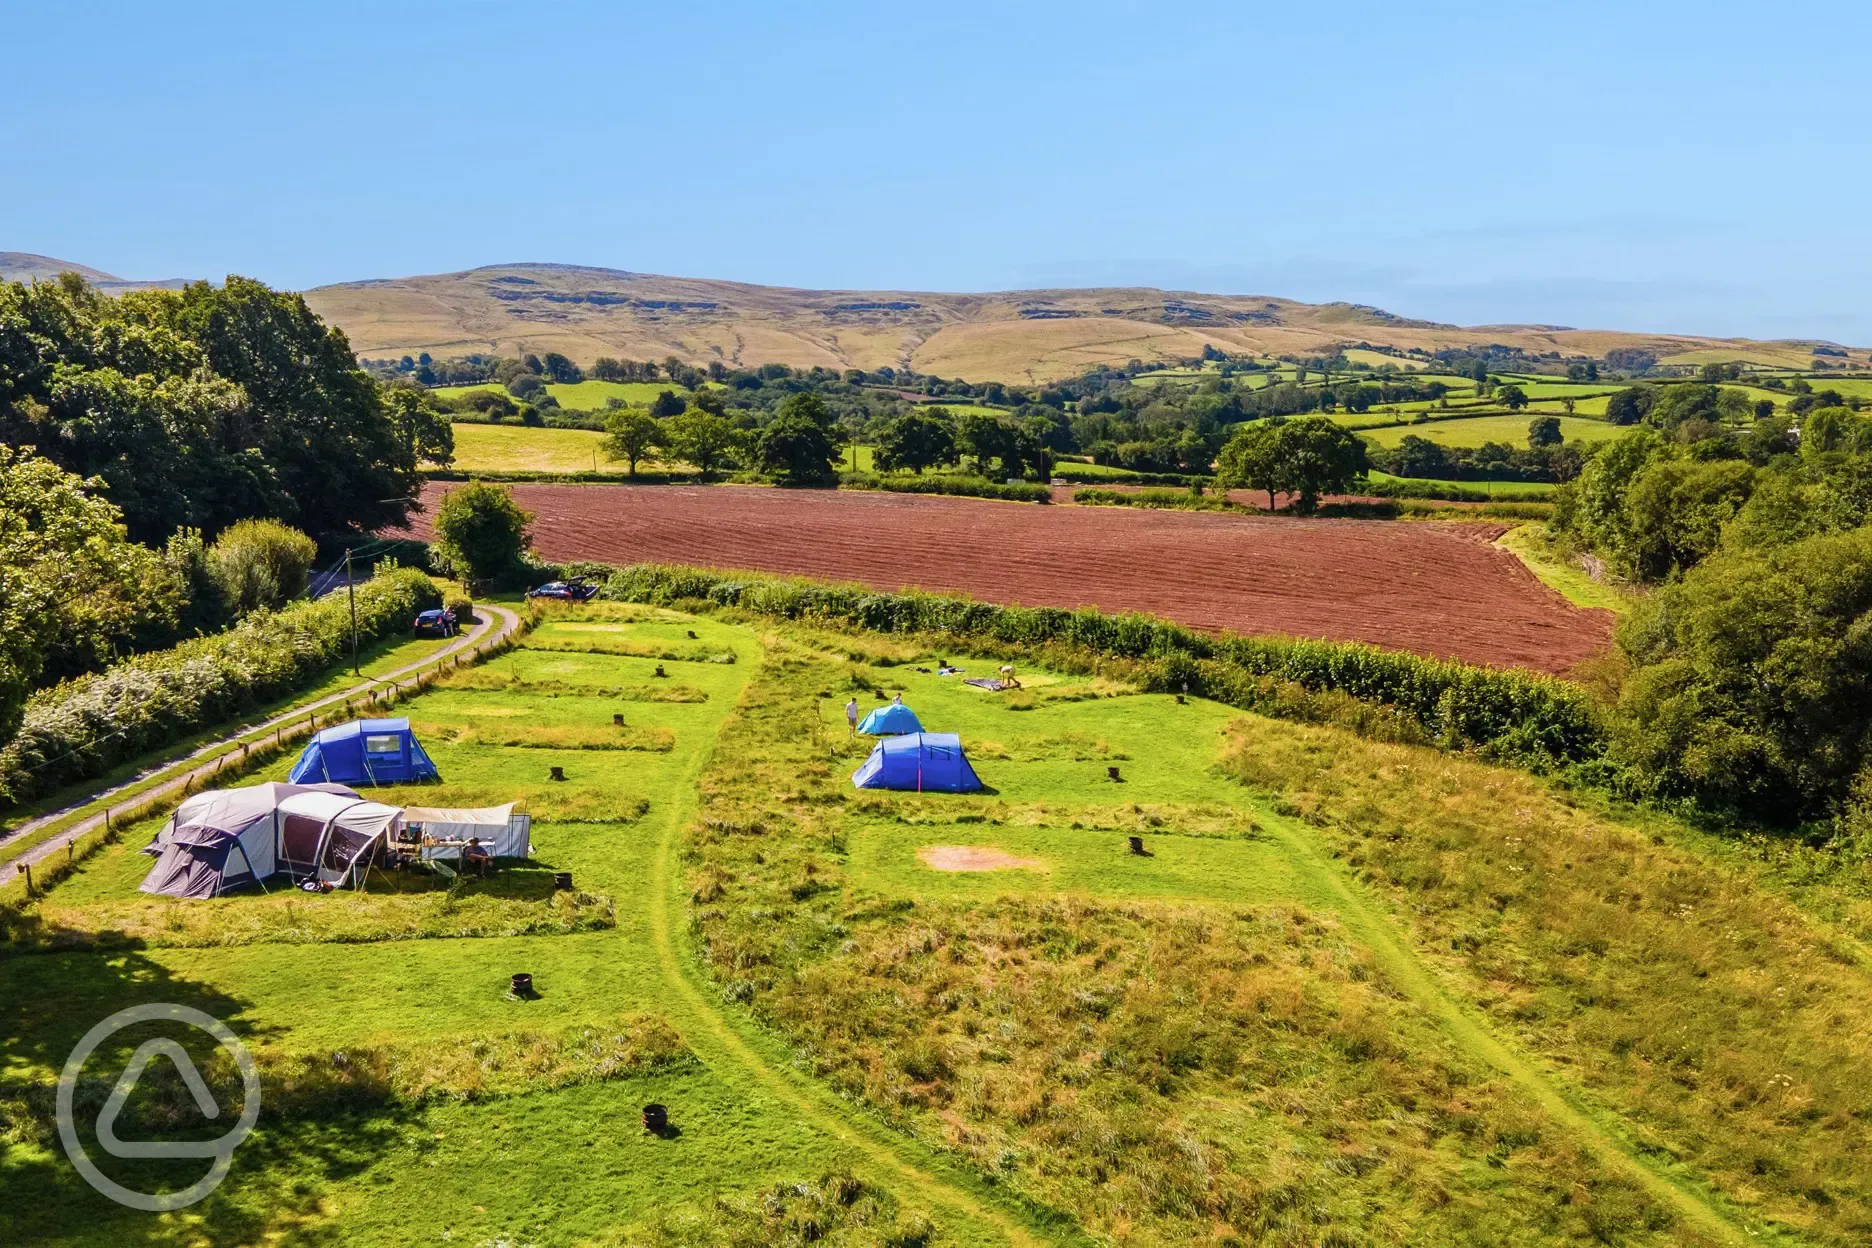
point(851, 715)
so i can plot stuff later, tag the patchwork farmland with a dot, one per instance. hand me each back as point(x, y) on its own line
point(1437, 589)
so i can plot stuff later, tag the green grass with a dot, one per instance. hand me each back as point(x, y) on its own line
point(1356, 992)
point(1494, 489)
point(1566, 577)
point(583, 395)
point(1473, 431)
point(514, 447)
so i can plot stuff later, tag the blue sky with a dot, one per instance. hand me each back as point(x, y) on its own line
point(1665, 166)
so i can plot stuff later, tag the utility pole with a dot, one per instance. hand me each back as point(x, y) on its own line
point(351, 593)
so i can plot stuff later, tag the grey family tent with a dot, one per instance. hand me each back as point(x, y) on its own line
point(890, 719)
point(364, 751)
point(923, 761)
point(223, 839)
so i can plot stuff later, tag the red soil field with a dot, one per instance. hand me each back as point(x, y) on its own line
point(1435, 588)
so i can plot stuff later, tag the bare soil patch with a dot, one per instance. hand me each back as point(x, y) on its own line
point(1428, 586)
point(972, 858)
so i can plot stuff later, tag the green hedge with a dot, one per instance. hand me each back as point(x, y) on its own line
point(1067, 470)
point(1170, 500)
point(948, 483)
point(85, 727)
point(1519, 716)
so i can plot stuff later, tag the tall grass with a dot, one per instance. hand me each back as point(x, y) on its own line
point(1520, 716)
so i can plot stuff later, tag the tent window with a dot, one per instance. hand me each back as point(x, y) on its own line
point(386, 744)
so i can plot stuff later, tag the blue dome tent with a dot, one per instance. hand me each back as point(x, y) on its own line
point(924, 761)
point(364, 751)
point(890, 719)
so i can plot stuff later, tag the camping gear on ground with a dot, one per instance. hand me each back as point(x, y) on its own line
point(222, 839)
point(989, 683)
point(923, 761)
point(656, 1118)
point(890, 719)
point(562, 881)
point(445, 831)
point(364, 751)
point(520, 985)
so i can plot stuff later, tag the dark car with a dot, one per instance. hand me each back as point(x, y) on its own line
point(436, 623)
point(578, 589)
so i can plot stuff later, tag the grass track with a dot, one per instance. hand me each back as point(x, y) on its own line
point(1364, 916)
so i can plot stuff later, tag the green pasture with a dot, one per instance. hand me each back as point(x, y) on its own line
point(1473, 431)
point(583, 395)
point(1378, 359)
point(1507, 490)
point(514, 447)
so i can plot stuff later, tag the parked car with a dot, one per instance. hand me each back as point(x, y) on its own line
point(578, 589)
point(436, 623)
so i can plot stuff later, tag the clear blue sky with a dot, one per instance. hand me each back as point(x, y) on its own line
point(1690, 166)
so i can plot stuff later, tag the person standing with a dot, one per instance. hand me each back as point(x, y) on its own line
point(851, 715)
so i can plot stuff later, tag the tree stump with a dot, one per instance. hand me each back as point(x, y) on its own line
point(521, 984)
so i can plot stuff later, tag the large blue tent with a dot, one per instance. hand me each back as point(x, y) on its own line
point(890, 719)
point(364, 751)
point(923, 761)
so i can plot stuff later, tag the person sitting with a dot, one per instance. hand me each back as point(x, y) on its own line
point(475, 856)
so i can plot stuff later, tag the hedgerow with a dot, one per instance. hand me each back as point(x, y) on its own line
point(949, 483)
point(1519, 716)
point(84, 727)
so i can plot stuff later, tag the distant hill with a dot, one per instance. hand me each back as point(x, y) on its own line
point(1020, 336)
point(24, 266)
point(1013, 336)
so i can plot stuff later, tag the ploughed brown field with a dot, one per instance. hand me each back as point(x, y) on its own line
point(1435, 588)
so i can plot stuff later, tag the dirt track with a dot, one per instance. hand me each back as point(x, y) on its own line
point(1434, 588)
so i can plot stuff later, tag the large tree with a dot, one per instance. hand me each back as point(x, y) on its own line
point(915, 440)
point(202, 406)
point(630, 435)
point(799, 446)
point(482, 534)
point(702, 438)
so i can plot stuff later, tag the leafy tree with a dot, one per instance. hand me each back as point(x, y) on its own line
point(630, 435)
point(526, 386)
point(668, 403)
point(991, 439)
point(74, 590)
point(1544, 431)
point(260, 564)
point(1250, 460)
point(916, 440)
point(1318, 457)
point(798, 450)
point(560, 369)
point(532, 364)
point(1826, 430)
point(1512, 397)
point(482, 534)
point(1628, 406)
point(420, 425)
point(1764, 408)
point(707, 400)
point(1751, 679)
point(607, 368)
point(703, 439)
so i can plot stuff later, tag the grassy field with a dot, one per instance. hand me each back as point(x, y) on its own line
point(1509, 490)
point(1352, 993)
point(1473, 431)
point(517, 447)
point(1565, 576)
point(584, 395)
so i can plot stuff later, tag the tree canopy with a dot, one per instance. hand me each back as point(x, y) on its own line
point(1305, 458)
point(203, 406)
point(482, 534)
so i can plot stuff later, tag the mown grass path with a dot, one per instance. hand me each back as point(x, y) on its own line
point(496, 625)
point(1366, 919)
point(970, 1210)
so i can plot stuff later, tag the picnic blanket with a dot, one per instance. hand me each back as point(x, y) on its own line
point(989, 683)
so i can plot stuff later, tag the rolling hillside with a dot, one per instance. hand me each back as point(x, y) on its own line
point(1015, 336)
point(24, 266)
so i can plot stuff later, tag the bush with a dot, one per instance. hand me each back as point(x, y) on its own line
point(957, 485)
point(1173, 500)
point(260, 564)
point(85, 727)
point(481, 534)
point(1533, 720)
point(462, 606)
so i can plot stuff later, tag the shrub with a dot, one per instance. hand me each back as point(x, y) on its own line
point(1173, 500)
point(481, 533)
point(1520, 716)
point(957, 485)
point(85, 727)
point(260, 563)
